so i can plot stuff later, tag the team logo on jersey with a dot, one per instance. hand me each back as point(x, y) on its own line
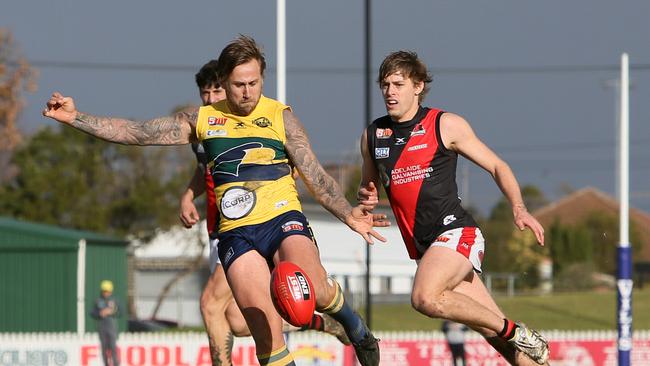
point(214, 121)
point(262, 122)
point(237, 202)
point(418, 130)
point(381, 152)
point(383, 133)
point(417, 147)
point(292, 226)
point(400, 140)
point(448, 219)
point(217, 133)
point(229, 161)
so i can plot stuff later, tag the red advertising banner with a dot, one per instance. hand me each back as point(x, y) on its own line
point(308, 349)
point(479, 353)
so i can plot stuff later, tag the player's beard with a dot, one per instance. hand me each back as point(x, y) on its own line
point(244, 108)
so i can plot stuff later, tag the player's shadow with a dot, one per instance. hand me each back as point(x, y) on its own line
point(258, 323)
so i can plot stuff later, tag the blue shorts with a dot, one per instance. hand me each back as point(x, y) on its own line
point(265, 238)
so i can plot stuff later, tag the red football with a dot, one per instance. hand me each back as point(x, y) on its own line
point(293, 294)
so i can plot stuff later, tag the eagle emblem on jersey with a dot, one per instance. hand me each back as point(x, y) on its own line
point(262, 122)
point(229, 161)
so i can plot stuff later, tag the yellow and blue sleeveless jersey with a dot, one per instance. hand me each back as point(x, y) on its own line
point(248, 163)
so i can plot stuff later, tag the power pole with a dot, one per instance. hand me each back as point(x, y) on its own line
point(368, 116)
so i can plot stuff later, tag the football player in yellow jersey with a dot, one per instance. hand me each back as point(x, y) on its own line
point(247, 257)
point(221, 316)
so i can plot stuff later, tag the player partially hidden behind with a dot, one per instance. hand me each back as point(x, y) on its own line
point(221, 316)
point(412, 152)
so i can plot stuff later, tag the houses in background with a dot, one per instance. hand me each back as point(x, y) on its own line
point(577, 206)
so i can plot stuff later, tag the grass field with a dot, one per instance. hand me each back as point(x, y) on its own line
point(570, 311)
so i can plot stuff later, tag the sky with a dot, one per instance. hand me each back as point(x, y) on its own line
point(532, 78)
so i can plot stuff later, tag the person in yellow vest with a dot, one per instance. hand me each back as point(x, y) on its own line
point(249, 140)
point(105, 311)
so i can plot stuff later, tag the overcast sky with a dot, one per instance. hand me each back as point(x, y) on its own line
point(531, 77)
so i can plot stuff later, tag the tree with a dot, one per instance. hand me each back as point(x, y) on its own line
point(570, 245)
point(534, 198)
point(16, 76)
point(499, 229)
point(71, 179)
point(525, 255)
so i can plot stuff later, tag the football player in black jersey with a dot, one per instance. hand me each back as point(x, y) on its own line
point(412, 152)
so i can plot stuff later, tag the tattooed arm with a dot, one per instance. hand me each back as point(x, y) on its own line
point(322, 186)
point(171, 130)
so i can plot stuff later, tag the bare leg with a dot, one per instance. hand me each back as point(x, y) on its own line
point(249, 279)
point(236, 319)
point(474, 288)
point(217, 294)
point(446, 287)
point(301, 250)
point(439, 272)
point(215, 299)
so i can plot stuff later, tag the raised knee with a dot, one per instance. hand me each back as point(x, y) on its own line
point(429, 304)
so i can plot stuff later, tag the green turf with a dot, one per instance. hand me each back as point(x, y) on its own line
point(570, 311)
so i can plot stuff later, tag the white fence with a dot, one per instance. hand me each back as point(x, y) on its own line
point(592, 348)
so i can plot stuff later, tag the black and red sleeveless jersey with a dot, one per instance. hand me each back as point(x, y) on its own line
point(211, 197)
point(419, 175)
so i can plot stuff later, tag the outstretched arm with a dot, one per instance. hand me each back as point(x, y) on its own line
point(170, 130)
point(322, 186)
point(457, 135)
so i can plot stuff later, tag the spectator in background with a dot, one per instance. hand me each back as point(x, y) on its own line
point(455, 335)
point(106, 311)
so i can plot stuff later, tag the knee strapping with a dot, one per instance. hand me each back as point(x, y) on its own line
point(337, 302)
point(279, 357)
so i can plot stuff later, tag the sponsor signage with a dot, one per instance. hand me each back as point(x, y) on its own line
point(191, 349)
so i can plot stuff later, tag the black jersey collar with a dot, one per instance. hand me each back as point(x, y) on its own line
point(421, 113)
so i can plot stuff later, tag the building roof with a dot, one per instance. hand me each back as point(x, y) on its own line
point(24, 234)
point(576, 206)
point(174, 242)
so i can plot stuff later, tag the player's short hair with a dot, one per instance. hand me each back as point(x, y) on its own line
point(207, 75)
point(240, 51)
point(408, 63)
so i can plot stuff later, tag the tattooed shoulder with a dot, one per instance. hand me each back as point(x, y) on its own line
point(292, 125)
